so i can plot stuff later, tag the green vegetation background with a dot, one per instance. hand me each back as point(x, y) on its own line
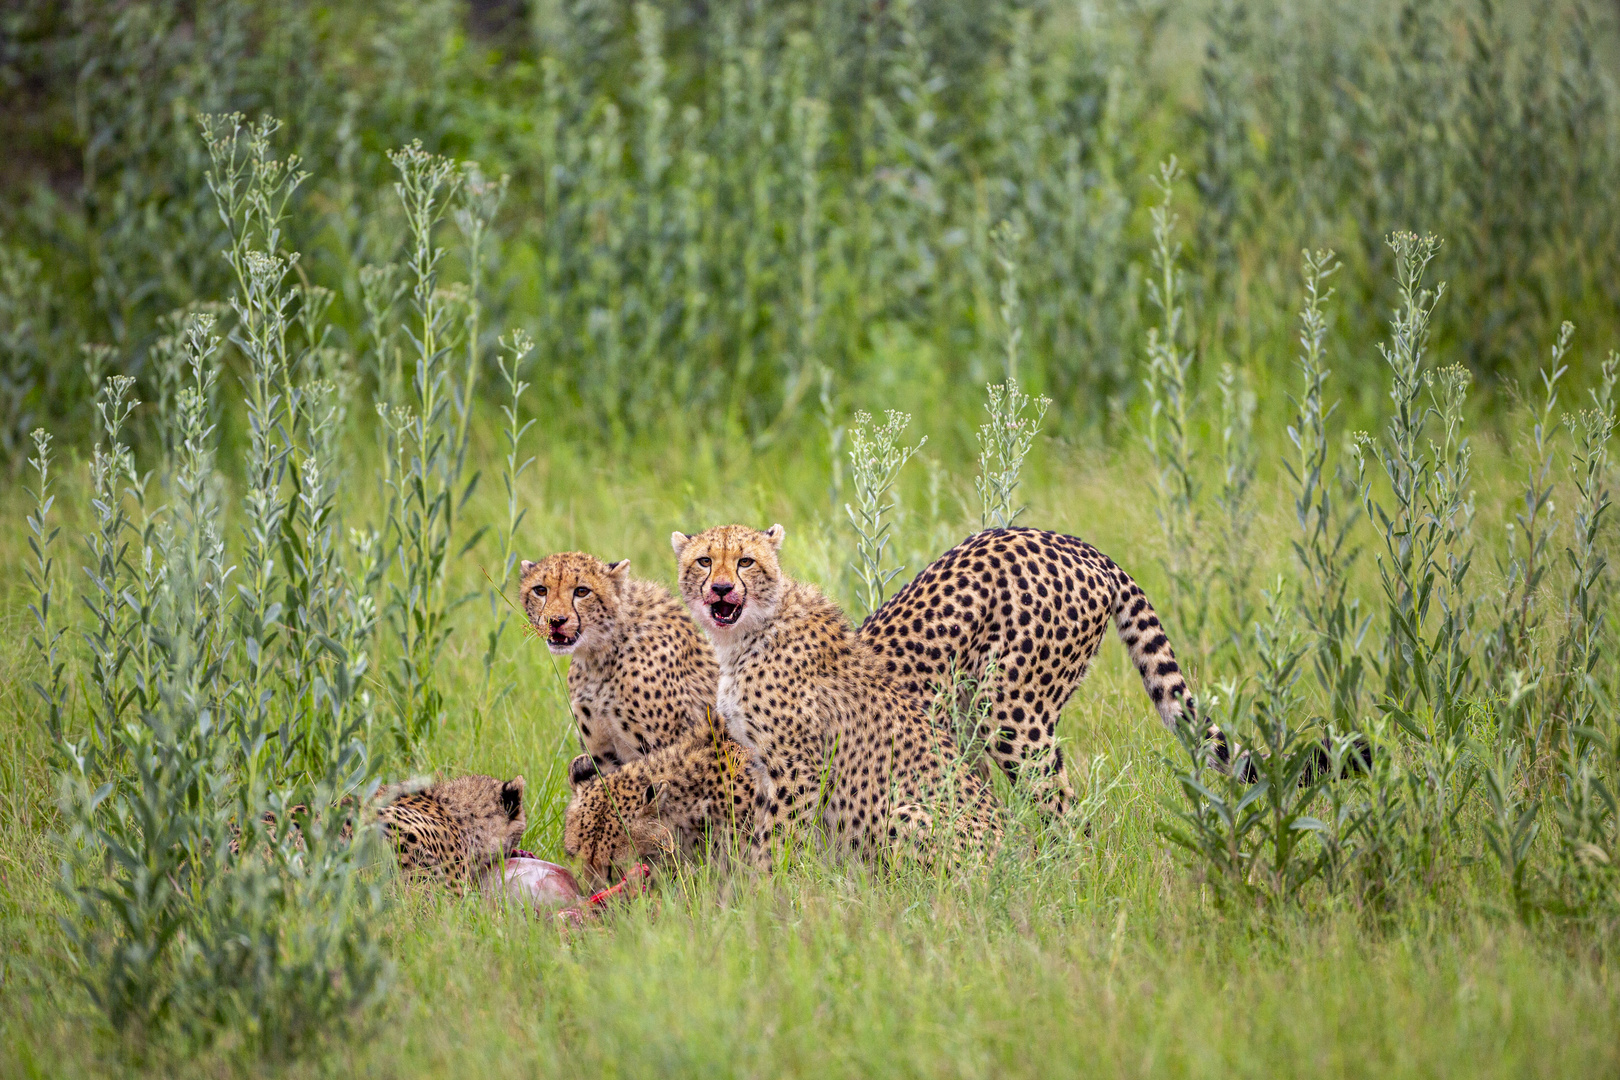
point(708, 314)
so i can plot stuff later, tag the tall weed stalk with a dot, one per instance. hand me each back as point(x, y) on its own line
point(1585, 799)
point(1425, 558)
point(1530, 535)
point(195, 903)
point(1170, 436)
point(47, 632)
point(1004, 443)
point(426, 492)
point(876, 457)
point(513, 354)
point(1426, 655)
point(1323, 549)
point(1235, 500)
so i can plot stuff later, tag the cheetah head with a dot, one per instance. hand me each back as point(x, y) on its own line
point(730, 577)
point(572, 599)
point(613, 823)
point(489, 811)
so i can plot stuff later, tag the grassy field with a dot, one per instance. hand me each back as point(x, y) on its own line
point(1099, 955)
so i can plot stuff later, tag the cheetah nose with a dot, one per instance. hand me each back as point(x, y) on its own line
point(721, 590)
point(557, 621)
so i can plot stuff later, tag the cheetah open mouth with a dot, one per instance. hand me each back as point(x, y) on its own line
point(560, 639)
point(724, 612)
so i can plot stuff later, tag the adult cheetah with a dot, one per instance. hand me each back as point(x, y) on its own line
point(641, 674)
point(1040, 602)
point(838, 747)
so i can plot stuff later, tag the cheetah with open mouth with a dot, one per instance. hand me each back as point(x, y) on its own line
point(839, 750)
point(640, 673)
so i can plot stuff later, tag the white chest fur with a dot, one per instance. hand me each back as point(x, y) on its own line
point(736, 656)
point(729, 701)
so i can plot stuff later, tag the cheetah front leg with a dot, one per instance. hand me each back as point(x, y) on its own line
point(768, 830)
point(783, 764)
point(784, 804)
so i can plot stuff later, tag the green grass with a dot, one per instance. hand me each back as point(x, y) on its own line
point(1096, 956)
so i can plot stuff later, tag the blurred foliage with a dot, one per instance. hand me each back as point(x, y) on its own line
point(712, 205)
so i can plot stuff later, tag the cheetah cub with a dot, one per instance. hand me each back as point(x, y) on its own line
point(640, 674)
point(692, 796)
point(837, 747)
point(448, 830)
point(456, 829)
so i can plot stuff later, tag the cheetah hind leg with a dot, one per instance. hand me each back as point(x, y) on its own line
point(1041, 777)
point(917, 840)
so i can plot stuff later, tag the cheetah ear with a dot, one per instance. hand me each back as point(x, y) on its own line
point(527, 567)
point(512, 797)
point(678, 541)
point(775, 535)
point(650, 796)
point(580, 771)
point(620, 570)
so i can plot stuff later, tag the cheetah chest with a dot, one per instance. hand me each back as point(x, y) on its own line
point(604, 715)
point(729, 702)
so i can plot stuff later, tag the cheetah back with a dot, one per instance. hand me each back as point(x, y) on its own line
point(1041, 601)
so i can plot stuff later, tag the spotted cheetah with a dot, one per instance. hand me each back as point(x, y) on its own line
point(695, 794)
point(1040, 601)
point(838, 747)
point(451, 830)
point(640, 676)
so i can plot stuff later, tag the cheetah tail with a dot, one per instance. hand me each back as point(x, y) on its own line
point(1150, 651)
point(1149, 648)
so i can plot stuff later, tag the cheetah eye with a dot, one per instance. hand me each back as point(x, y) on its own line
point(582, 591)
point(703, 561)
point(745, 562)
point(539, 590)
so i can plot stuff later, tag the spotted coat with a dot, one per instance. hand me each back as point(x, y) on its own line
point(451, 830)
point(454, 829)
point(694, 795)
point(1040, 602)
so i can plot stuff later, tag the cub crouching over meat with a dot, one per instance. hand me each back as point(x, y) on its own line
point(454, 829)
point(450, 830)
point(691, 796)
